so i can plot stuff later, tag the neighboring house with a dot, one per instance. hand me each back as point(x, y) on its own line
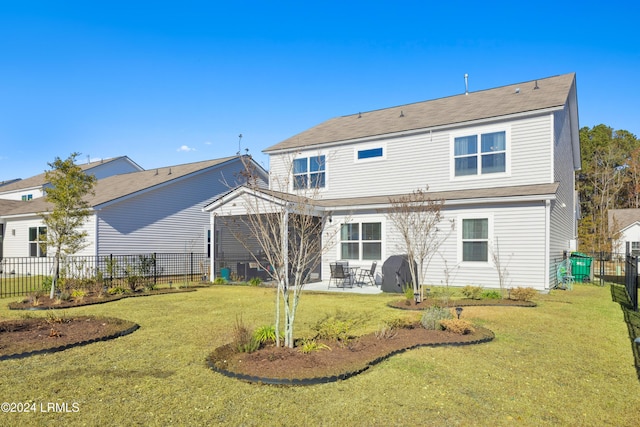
point(502, 159)
point(624, 224)
point(135, 211)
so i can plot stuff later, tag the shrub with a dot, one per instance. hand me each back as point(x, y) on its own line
point(310, 345)
point(264, 334)
point(432, 317)
point(243, 339)
point(523, 294)
point(408, 293)
point(457, 326)
point(219, 281)
point(255, 281)
point(34, 298)
point(492, 294)
point(116, 290)
point(336, 328)
point(472, 292)
point(78, 294)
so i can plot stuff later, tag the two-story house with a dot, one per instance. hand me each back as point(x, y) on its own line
point(503, 161)
point(134, 211)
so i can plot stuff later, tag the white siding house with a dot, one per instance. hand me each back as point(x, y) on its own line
point(502, 159)
point(625, 225)
point(135, 211)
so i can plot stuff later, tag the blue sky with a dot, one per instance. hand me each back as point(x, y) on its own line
point(167, 82)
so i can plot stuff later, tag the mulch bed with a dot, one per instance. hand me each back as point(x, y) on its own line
point(45, 303)
point(37, 335)
point(289, 366)
point(430, 302)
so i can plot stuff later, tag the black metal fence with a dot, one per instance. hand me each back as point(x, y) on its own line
point(23, 275)
point(631, 280)
point(609, 266)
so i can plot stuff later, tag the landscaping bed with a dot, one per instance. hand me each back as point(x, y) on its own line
point(406, 304)
point(338, 361)
point(27, 337)
point(43, 302)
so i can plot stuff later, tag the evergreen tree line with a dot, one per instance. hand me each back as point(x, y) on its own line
point(609, 179)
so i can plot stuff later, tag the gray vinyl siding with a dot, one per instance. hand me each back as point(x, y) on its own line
point(518, 228)
point(168, 219)
point(562, 216)
point(416, 161)
point(114, 167)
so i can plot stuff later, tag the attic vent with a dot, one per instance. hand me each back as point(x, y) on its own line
point(169, 171)
point(401, 113)
point(517, 90)
point(156, 172)
point(536, 86)
point(359, 115)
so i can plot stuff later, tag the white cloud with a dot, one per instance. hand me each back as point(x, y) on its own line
point(185, 148)
point(207, 143)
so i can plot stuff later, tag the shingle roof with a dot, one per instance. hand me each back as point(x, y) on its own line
point(623, 218)
point(118, 186)
point(543, 191)
point(552, 92)
point(38, 181)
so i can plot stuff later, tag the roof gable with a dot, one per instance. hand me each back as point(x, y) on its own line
point(117, 187)
point(547, 93)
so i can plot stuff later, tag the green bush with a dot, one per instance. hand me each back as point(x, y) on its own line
point(219, 281)
point(266, 333)
point(472, 292)
point(310, 345)
point(491, 294)
point(336, 328)
point(433, 315)
point(408, 293)
point(255, 281)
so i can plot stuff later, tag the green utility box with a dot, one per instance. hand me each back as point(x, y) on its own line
point(581, 266)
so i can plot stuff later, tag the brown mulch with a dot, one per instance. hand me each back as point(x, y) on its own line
point(339, 360)
point(405, 304)
point(19, 337)
point(45, 303)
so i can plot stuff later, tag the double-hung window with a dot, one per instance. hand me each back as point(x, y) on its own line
point(480, 154)
point(37, 241)
point(361, 241)
point(309, 172)
point(475, 239)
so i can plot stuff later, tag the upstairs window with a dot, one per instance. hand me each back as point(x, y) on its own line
point(27, 197)
point(37, 241)
point(309, 172)
point(370, 153)
point(490, 156)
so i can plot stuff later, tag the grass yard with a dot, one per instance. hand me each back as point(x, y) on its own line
point(569, 361)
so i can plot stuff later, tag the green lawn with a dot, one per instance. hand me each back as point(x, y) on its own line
point(569, 361)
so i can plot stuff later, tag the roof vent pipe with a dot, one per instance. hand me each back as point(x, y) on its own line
point(466, 84)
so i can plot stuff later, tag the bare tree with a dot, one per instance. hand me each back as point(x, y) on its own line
point(418, 219)
point(285, 233)
point(500, 264)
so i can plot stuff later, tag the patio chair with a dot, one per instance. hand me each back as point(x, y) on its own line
point(368, 274)
point(341, 275)
point(564, 275)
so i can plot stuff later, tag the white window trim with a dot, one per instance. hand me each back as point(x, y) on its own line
point(292, 188)
point(460, 218)
point(365, 147)
point(479, 131)
point(359, 220)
